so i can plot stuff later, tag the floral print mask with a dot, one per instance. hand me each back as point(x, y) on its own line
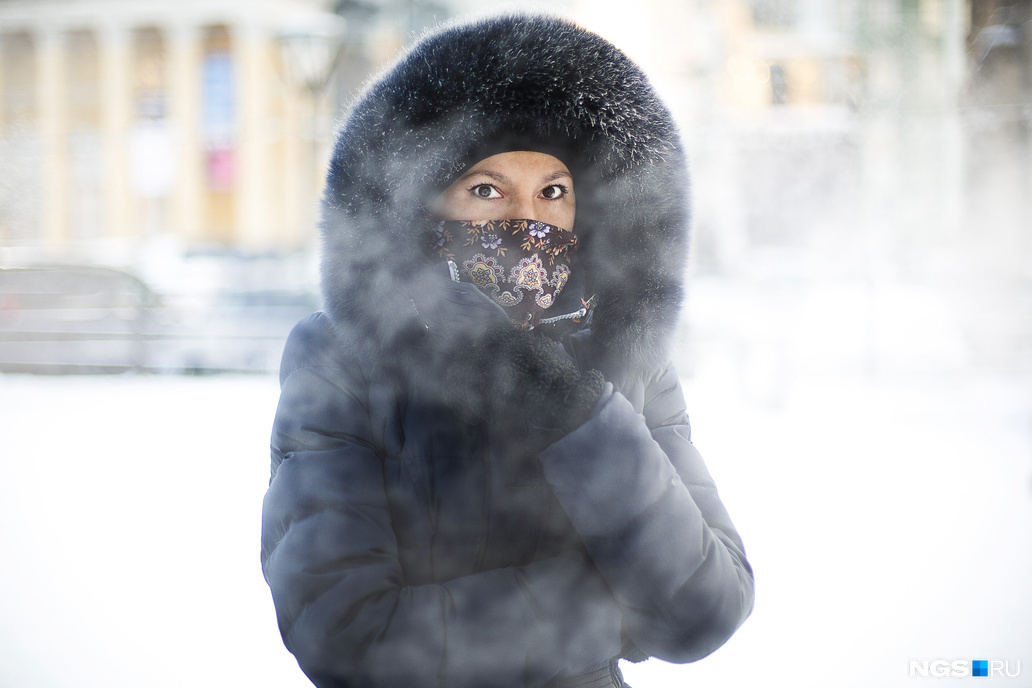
point(522, 265)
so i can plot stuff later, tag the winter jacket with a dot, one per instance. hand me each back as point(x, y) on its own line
point(408, 545)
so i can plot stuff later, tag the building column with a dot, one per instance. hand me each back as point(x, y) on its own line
point(3, 109)
point(116, 121)
point(253, 213)
point(295, 175)
point(184, 99)
point(53, 131)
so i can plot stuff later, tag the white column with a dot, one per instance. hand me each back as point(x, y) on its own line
point(116, 88)
point(53, 130)
point(295, 173)
point(253, 212)
point(3, 121)
point(6, 231)
point(184, 100)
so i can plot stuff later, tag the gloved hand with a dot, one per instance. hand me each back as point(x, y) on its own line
point(523, 386)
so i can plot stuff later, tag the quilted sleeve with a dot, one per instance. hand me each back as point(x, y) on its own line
point(647, 509)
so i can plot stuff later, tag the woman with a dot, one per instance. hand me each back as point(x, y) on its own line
point(482, 472)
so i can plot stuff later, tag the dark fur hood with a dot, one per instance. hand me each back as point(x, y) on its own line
point(450, 96)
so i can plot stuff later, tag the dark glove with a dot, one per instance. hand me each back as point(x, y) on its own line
point(522, 384)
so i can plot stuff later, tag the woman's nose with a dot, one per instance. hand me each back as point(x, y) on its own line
point(522, 208)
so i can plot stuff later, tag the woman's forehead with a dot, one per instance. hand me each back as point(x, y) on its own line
point(507, 166)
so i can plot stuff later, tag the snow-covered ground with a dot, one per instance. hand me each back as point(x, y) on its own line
point(131, 512)
point(888, 515)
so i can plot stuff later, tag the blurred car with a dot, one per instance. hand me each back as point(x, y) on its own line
point(87, 319)
point(73, 319)
point(232, 331)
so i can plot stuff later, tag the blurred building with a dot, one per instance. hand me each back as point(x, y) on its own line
point(866, 156)
point(879, 131)
point(126, 120)
point(859, 103)
point(825, 125)
point(885, 143)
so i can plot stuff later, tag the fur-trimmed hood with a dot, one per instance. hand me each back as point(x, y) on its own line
point(415, 128)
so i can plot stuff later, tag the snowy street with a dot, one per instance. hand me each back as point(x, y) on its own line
point(888, 517)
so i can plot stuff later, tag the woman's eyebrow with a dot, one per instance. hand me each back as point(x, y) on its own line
point(497, 176)
point(501, 178)
point(558, 174)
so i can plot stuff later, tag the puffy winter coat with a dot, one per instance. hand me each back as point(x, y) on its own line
point(406, 545)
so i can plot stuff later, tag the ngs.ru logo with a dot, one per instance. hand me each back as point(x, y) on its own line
point(958, 668)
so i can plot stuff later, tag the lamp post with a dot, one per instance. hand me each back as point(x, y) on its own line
point(310, 46)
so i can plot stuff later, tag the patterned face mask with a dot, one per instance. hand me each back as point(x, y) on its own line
point(522, 265)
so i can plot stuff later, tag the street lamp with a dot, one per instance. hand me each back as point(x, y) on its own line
point(310, 46)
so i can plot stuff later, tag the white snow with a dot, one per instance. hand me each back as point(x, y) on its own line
point(131, 510)
point(886, 511)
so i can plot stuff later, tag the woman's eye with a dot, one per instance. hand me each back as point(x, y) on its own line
point(485, 191)
point(553, 192)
